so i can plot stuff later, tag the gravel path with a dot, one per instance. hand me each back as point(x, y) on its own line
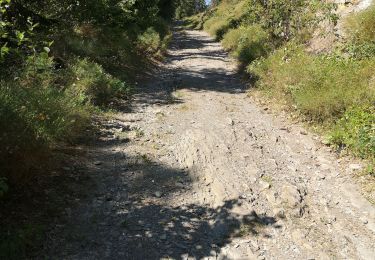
point(197, 170)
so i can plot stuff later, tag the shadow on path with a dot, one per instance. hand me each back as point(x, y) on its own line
point(198, 77)
point(129, 211)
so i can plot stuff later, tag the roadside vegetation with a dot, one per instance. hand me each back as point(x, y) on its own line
point(334, 92)
point(64, 61)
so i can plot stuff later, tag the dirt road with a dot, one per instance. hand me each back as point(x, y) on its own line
point(196, 170)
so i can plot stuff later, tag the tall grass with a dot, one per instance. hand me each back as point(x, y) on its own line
point(360, 27)
point(247, 43)
point(225, 16)
point(360, 31)
point(321, 87)
point(36, 113)
point(336, 92)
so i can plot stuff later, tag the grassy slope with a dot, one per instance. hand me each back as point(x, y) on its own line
point(333, 92)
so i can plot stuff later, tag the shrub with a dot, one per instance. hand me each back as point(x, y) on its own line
point(91, 84)
point(227, 15)
point(217, 27)
point(149, 40)
point(361, 50)
point(360, 28)
point(35, 114)
point(197, 21)
point(247, 43)
point(356, 130)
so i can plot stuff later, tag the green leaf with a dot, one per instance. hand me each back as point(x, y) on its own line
point(46, 49)
point(4, 51)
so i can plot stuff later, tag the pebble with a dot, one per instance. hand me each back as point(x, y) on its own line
point(355, 167)
point(97, 163)
point(264, 185)
point(280, 213)
point(157, 194)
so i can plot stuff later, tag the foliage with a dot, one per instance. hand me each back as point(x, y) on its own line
point(361, 34)
point(60, 59)
point(283, 20)
point(226, 16)
point(361, 27)
point(149, 40)
point(93, 85)
point(186, 8)
point(288, 19)
point(35, 112)
point(247, 43)
point(321, 87)
point(356, 130)
point(196, 21)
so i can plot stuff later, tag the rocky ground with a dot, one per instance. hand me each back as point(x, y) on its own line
point(197, 170)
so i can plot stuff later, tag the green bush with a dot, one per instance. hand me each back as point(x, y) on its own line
point(35, 113)
point(225, 16)
point(336, 93)
point(217, 27)
point(149, 41)
point(360, 29)
point(356, 130)
point(90, 83)
point(196, 21)
point(247, 43)
point(320, 87)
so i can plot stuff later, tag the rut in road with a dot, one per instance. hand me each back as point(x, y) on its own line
point(197, 170)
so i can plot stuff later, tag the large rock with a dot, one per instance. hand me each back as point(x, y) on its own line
point(291, 196)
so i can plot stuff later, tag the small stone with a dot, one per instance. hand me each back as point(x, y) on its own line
point(97, 163)
point(158, 194)
point(291, 196)
point(303, 132)
point(243, 196)
point(264, 185)
point(355, 167)
point(230, 121)
point(365, 221)
point(163, 237)
point(255, 245)
point(280, 213)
